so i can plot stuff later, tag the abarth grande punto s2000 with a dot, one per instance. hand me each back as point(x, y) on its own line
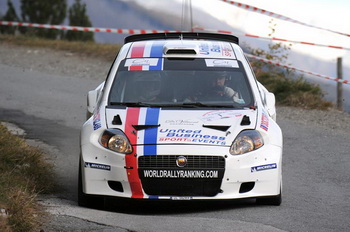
point(181, 116)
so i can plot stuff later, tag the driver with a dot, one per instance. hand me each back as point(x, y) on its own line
point(219, 88)
point(149, 91)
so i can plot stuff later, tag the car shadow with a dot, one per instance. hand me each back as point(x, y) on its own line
point(170, 207)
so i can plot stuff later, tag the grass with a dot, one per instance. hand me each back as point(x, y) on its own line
point(103, 51)
point(24, 174)
point(294, 92)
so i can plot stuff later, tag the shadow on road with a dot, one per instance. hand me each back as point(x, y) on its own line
point(169, 207)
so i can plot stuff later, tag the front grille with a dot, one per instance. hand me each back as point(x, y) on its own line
point(193, 161)
point(180, 186)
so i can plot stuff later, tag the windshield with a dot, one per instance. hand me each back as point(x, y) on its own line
point(181, 82)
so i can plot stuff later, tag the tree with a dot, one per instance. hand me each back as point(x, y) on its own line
point(44, 12)
point(289, 88)
point(78, 17)
point(9, 16)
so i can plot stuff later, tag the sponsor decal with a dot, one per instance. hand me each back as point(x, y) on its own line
point(96, 120)
point(263, 167)
point(191, 174)
point(141, 62)
point(204, 49)
point(97, 166)
point(219, 114)
point(227, 50)
point(180, 122)
point(215, 47)
point(221, 63)
point(180, 198)
point(191, 136)
point(264, 121)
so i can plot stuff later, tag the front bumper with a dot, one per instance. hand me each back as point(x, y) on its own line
point(254, 174)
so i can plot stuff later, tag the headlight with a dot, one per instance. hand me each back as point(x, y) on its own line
point(116, 140)
point(246, 141)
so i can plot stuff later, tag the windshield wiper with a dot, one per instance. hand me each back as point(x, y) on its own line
point(183, 105)
point(132, 104)
point(200, 104)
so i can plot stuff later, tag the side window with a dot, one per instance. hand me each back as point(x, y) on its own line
point(259, 85)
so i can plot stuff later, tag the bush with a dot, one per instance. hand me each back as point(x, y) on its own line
point(24, 174)
point(294, 92)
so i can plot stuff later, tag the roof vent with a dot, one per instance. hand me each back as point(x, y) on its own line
point(181, 49)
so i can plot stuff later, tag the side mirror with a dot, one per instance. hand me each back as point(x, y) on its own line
point(92, 100)
point(270, 103)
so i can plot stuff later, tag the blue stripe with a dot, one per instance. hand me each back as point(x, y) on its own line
point(157, 51)
point(152, 197)
point(151, 134)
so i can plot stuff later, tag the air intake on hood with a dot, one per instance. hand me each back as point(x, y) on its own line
point(117, 120)
point(245, 121)
point(220, 128)
point(144, 127)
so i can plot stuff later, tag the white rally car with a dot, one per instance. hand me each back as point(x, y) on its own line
point(181, 116)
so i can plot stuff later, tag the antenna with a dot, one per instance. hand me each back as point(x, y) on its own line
point(186, 17)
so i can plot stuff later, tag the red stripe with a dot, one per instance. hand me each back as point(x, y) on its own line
point(335, 47)
point(224, 32)
point(132, 118)
point(307, 43)
point(137, 52)
point(284, 40)
point(254, 36)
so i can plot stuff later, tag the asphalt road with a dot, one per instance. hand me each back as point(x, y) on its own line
point(316, 162)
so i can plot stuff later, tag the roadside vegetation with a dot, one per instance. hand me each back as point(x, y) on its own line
point(290, 88)
point(102, 51)
point(25, 173)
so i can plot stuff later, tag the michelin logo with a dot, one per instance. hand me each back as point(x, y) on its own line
point(97, 166)
point(263, 167)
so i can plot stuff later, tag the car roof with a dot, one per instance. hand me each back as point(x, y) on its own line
point(181, 36)
point(194, 45)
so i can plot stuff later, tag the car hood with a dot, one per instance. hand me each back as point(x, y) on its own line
point(167, 126)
